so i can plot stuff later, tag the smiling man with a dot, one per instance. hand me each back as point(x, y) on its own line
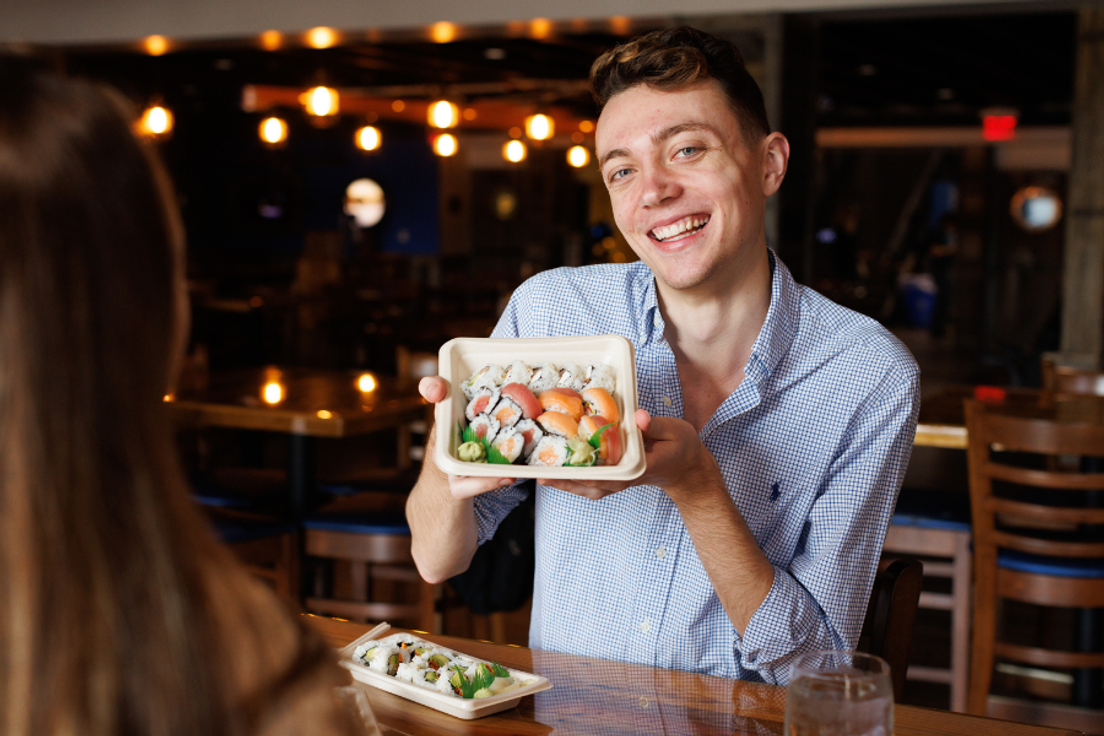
point(777, 424)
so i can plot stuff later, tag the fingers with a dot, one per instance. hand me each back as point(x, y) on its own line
point(433, 389)
point(643, 419)
point(593, 492)
point(463, 486)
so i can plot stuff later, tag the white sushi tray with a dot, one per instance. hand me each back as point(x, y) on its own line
point(460, 357)
point(453, 706)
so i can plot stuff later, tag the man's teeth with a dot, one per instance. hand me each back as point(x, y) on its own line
point(689, 225)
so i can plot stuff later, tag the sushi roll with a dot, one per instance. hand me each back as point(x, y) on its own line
point(523, 397)
point(565, 401)
point(558, 423)
point(506, 412)
point(489, 376)
point(600, 375)
point(599, 401)
point(571, 376)
point(544, 377)
point(485, 426)
point(551, 451)
point(518, 372)
point(481, 403)
point(531, 433)
point(509, 443)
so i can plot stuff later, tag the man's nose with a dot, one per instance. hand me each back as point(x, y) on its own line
point(659, 186)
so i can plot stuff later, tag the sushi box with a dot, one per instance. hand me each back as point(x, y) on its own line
point(458, 707)
point(461, 357)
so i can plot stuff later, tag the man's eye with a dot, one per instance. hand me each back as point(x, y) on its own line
point(687, 151)
point(619, 174)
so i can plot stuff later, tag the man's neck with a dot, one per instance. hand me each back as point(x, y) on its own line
point(711, 334)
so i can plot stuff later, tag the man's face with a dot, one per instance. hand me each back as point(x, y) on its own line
point(688, 192)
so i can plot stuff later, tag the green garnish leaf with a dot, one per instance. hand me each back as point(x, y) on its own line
point(494, 456)
point(499, 670)
point(596, 438)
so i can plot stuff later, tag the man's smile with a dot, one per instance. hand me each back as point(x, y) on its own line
point(683, 228)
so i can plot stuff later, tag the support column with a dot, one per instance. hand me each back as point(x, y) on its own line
point(1083, 288)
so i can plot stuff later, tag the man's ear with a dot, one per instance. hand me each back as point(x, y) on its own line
point(776, 157)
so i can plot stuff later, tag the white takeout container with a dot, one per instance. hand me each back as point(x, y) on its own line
point(453, 706)
point(462, 356)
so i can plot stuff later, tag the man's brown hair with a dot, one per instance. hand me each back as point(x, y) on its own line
point(678, 57)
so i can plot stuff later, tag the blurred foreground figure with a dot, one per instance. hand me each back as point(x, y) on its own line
point(120, 613)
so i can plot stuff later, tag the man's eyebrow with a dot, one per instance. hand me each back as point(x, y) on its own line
point(659, 138)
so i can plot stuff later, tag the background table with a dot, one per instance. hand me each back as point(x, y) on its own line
point(599, 697)
point(312, 403)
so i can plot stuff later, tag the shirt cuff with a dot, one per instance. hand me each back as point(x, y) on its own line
point(786, 617)
point(493, 506)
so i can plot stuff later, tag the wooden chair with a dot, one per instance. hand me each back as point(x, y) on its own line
point(269, 548)
point(1034, 543)
point(371, 573)
point(890, 616)
point(1071, 379)
point(940, 535)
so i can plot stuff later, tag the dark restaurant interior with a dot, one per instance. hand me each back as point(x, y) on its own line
point(938, 183)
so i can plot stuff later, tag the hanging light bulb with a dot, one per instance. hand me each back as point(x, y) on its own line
point(320, 101)
point(539, 127)
point(445, 144)
point(368, 138)
point(156, 45)
point(578, 156)
point(273, 131)
point(156, 122)
point(514, 151)
point(321, 37)
point(444, 114)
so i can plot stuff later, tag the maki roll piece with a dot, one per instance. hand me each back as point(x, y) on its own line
point(481, 403)
point(600, 375)
point(489, 377)
point(571, 376)
point(565, 401)
point(599, 401)
point(544, 377)
point(531, 433)
point(485, 426)
point(551, 452)
point(509, 443)
point(506, 413)
point(523, 397)
point(518, 372)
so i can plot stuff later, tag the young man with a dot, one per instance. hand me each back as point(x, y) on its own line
point(777, 424)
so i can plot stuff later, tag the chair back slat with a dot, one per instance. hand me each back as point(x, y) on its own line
point(1049, 547)
point(1046, 478)
point(1044, 517)
point(1021, 434)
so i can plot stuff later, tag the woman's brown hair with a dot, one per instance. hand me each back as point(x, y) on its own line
point(119, 611)
point(678, 57)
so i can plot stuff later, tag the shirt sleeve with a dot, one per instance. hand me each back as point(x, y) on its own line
point(819, 601)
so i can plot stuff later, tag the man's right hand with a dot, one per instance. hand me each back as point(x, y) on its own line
point(435, 390)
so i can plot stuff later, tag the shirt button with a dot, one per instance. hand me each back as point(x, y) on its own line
point(667, 401)
point(645, 627)
point(661, 552)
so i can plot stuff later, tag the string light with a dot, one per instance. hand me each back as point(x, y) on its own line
point(156, 122)
point(156, 45)
point(321, 37)
point(273, 131)
point(271, 40)
point(320, 101)
point(514, 151)
point(539, 127)
point(578, 156)
point(367, 383)
point(272, 393)
point(368, 138)
point(444, 114)
point(445, 145)
point(442, 32)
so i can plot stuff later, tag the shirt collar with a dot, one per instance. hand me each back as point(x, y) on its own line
point(780, 327)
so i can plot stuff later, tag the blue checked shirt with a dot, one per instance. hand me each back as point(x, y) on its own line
point(812, 445)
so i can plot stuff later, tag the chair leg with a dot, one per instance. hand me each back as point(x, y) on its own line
point(984, 643)
point(960, 622)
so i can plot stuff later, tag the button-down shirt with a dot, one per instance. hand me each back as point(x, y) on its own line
point(812, 445)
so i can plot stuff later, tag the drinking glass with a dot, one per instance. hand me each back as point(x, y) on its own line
point(839, 694)
point(353, 701)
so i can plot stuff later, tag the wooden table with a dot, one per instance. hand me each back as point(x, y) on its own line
point(304, 404)
point(596, 697)
point(943, 421)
